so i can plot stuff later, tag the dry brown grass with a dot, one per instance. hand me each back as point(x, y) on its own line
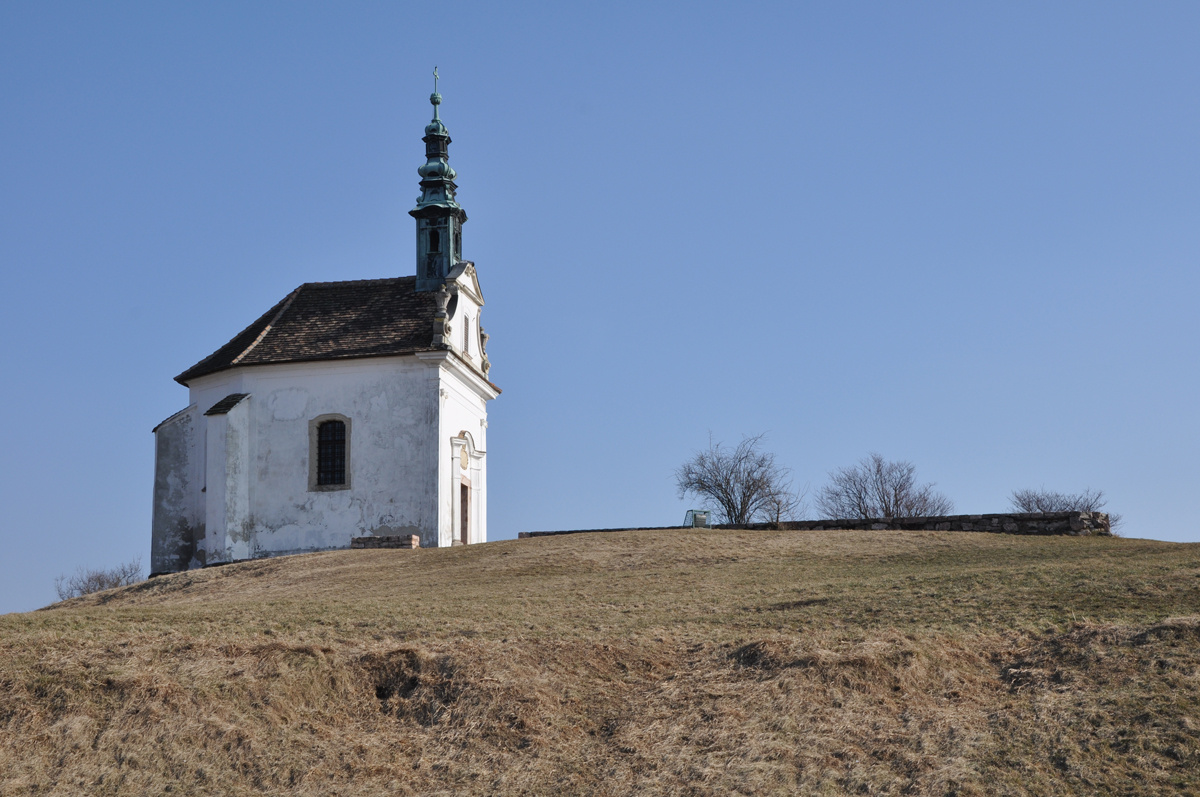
point(645, 662)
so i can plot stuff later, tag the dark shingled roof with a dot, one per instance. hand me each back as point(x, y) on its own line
point(223, 406)
point(331, 321)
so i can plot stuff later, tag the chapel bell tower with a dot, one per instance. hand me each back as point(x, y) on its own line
point(439, 217)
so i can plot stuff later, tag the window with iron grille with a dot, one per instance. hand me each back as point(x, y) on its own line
point(331, 453)
point(330, 460)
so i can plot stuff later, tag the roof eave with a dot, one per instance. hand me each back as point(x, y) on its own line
point(297, 361)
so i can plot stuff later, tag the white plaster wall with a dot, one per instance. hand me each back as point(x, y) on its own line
point(227, 486)
point(177, 517)
point(212, 548)
point(463, 396)
point(239, 481)
point(392, 404)
point(464, 336)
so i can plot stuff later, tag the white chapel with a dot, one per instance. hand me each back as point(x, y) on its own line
point(349, 409)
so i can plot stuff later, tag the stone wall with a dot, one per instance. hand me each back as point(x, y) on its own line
point(387, 541)
point(525, 535)
point(1077, 524)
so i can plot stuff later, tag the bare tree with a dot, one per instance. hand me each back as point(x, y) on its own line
point(87, 580)
point(1043, 500)
point(876, 488)
point(785, 502)
point(744, 483)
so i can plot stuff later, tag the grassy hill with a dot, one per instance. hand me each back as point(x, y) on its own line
point(664, 662)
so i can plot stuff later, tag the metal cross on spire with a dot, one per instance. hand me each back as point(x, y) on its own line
point(435, 98)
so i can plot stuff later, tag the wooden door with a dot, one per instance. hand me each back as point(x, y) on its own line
point(465, 512)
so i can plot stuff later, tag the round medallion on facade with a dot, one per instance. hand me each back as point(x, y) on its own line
point(464, 459)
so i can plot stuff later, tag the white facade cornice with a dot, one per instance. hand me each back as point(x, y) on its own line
point(453, 362)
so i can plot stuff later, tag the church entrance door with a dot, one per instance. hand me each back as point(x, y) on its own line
point(465, 511)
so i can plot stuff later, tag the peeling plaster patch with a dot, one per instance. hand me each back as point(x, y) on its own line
point(242, 533)
point(340, 501)
point(240, 550)
point(312, 515)
point(288, 404)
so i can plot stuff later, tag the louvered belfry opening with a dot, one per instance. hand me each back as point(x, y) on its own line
point(331, 453)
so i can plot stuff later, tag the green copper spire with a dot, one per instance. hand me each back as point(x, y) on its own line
point(439, 217)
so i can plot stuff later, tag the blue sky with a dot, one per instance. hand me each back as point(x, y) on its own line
point(961, 234)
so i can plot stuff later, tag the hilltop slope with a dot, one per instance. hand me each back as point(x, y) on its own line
point(666, 662)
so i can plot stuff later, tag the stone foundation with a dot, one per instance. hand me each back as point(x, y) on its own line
point(387, 541)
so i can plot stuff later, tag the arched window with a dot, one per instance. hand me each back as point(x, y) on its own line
point(330, 461)
point(435, 241)
point(331, 453)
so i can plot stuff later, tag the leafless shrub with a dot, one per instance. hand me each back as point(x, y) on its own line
point(745, 483)
point(1043, 500)
point(87, 580)
point(877, 488)
point(785, 502)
